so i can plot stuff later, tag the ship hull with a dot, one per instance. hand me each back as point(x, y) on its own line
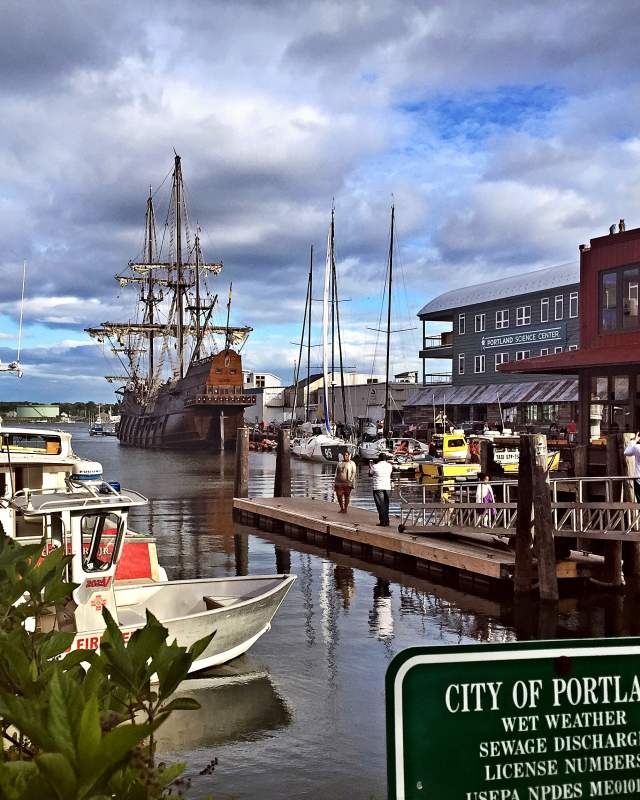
point(197, 412)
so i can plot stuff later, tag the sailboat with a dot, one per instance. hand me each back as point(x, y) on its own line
point(372, 445)
point(180, 388)
point(322, 445)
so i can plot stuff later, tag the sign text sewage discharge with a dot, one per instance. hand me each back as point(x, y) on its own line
point(535, 721)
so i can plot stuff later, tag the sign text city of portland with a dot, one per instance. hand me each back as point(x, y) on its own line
point(520, 721)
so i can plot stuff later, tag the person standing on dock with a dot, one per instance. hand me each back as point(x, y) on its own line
point(344, 481)
point(633, 449)
point(381, 474)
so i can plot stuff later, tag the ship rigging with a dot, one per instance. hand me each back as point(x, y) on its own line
point(180, 368)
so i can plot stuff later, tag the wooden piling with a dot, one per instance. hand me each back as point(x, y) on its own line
point(485, 448)
point(630, 550)
point(282, 484)
point(523, 568)
point(543, 522)
point(241, 476)
point(613, 550)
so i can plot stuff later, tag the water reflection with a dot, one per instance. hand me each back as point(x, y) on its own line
point(237, 702)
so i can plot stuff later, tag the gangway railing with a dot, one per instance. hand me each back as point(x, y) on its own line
point(446, 505)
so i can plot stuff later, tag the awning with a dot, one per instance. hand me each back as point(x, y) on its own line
point(560, 391)
point(572, 361)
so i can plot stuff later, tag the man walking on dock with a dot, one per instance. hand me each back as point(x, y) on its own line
point(381, 474)
point(344, 481)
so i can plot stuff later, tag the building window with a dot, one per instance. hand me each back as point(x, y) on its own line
point(609, 409)
point(502, 319)
point(544, 351)
point(460, 363)
point(501, 358)
point(462, 324)
point(619, 299)
point(260, 381)
point(480, 323)
point(478, 364)
point(544, 309)
point(573, 305)
point(557, 349)
point(573, 347)
point(559, 306)
point(520, 354)
point(523, 315)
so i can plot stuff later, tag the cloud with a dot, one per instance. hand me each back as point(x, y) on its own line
point(505, 135)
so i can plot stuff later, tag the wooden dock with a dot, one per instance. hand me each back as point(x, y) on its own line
point(436, 553)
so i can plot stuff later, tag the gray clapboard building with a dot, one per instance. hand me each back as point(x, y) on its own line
point(498, 322)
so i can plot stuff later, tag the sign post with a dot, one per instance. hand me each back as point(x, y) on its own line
point(520, 721)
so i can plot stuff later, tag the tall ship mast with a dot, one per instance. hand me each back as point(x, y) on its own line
point(181, 383)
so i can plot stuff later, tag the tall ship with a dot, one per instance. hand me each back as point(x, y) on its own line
point(182, 385)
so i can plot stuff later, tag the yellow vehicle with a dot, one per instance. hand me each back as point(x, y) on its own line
point(451, 446)
point(440, 471)
point(508, 459)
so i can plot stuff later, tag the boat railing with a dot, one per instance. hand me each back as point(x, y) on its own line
point(79, 495)
point(592, 507)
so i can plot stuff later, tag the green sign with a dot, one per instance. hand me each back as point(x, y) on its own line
point(528, 721)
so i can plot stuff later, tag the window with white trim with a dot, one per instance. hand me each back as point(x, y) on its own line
point(573, 305)
point(501, 358)
point(557, 349)
point(544, 309)
point(502, 319)
point(544, 351)
point(523, 315)
point(520, 354)
point(480, 321)
point(478, 364)
point(573, 347)
point(460, 363)
point(462, 324)
point(559, 306)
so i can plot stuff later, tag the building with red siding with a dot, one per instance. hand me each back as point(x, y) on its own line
point(607, 362)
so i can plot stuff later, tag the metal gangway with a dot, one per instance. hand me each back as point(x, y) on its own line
point(589, 508)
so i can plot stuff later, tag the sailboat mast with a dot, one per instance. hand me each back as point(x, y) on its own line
point(179, 291)
point(306, 409)
point(333, 323)
point(196, 354)
point(386, 393)
point(325, 329)
point(337, 315)
point(150, 258)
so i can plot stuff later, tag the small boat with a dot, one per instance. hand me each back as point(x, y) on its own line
point(322, 448)
point(90, 522)
point(370, 450)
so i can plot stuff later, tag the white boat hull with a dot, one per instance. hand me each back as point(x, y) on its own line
point(246, 607)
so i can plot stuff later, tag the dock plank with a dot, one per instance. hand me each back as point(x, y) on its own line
point(359, 525)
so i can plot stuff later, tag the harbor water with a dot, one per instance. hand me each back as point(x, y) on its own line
point(302, 715)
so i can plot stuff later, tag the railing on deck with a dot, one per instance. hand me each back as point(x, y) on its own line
point(453, 506)
point(220, 395)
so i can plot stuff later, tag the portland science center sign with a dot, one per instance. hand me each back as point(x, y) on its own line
point(533, 721)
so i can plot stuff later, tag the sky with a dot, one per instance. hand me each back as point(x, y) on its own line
point(506, 134)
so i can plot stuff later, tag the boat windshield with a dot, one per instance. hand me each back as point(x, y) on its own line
point(36, 443)
point(101, 535)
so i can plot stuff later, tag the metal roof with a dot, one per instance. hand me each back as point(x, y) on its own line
point(524, 283)
point(560, 391)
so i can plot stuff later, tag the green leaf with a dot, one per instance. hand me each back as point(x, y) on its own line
point(55, 643)
point(15, 777)
point(198, 648)
point(89, 736)
point(58, 774)
point(182, 704)
point(63, 717)
point(114, 749)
